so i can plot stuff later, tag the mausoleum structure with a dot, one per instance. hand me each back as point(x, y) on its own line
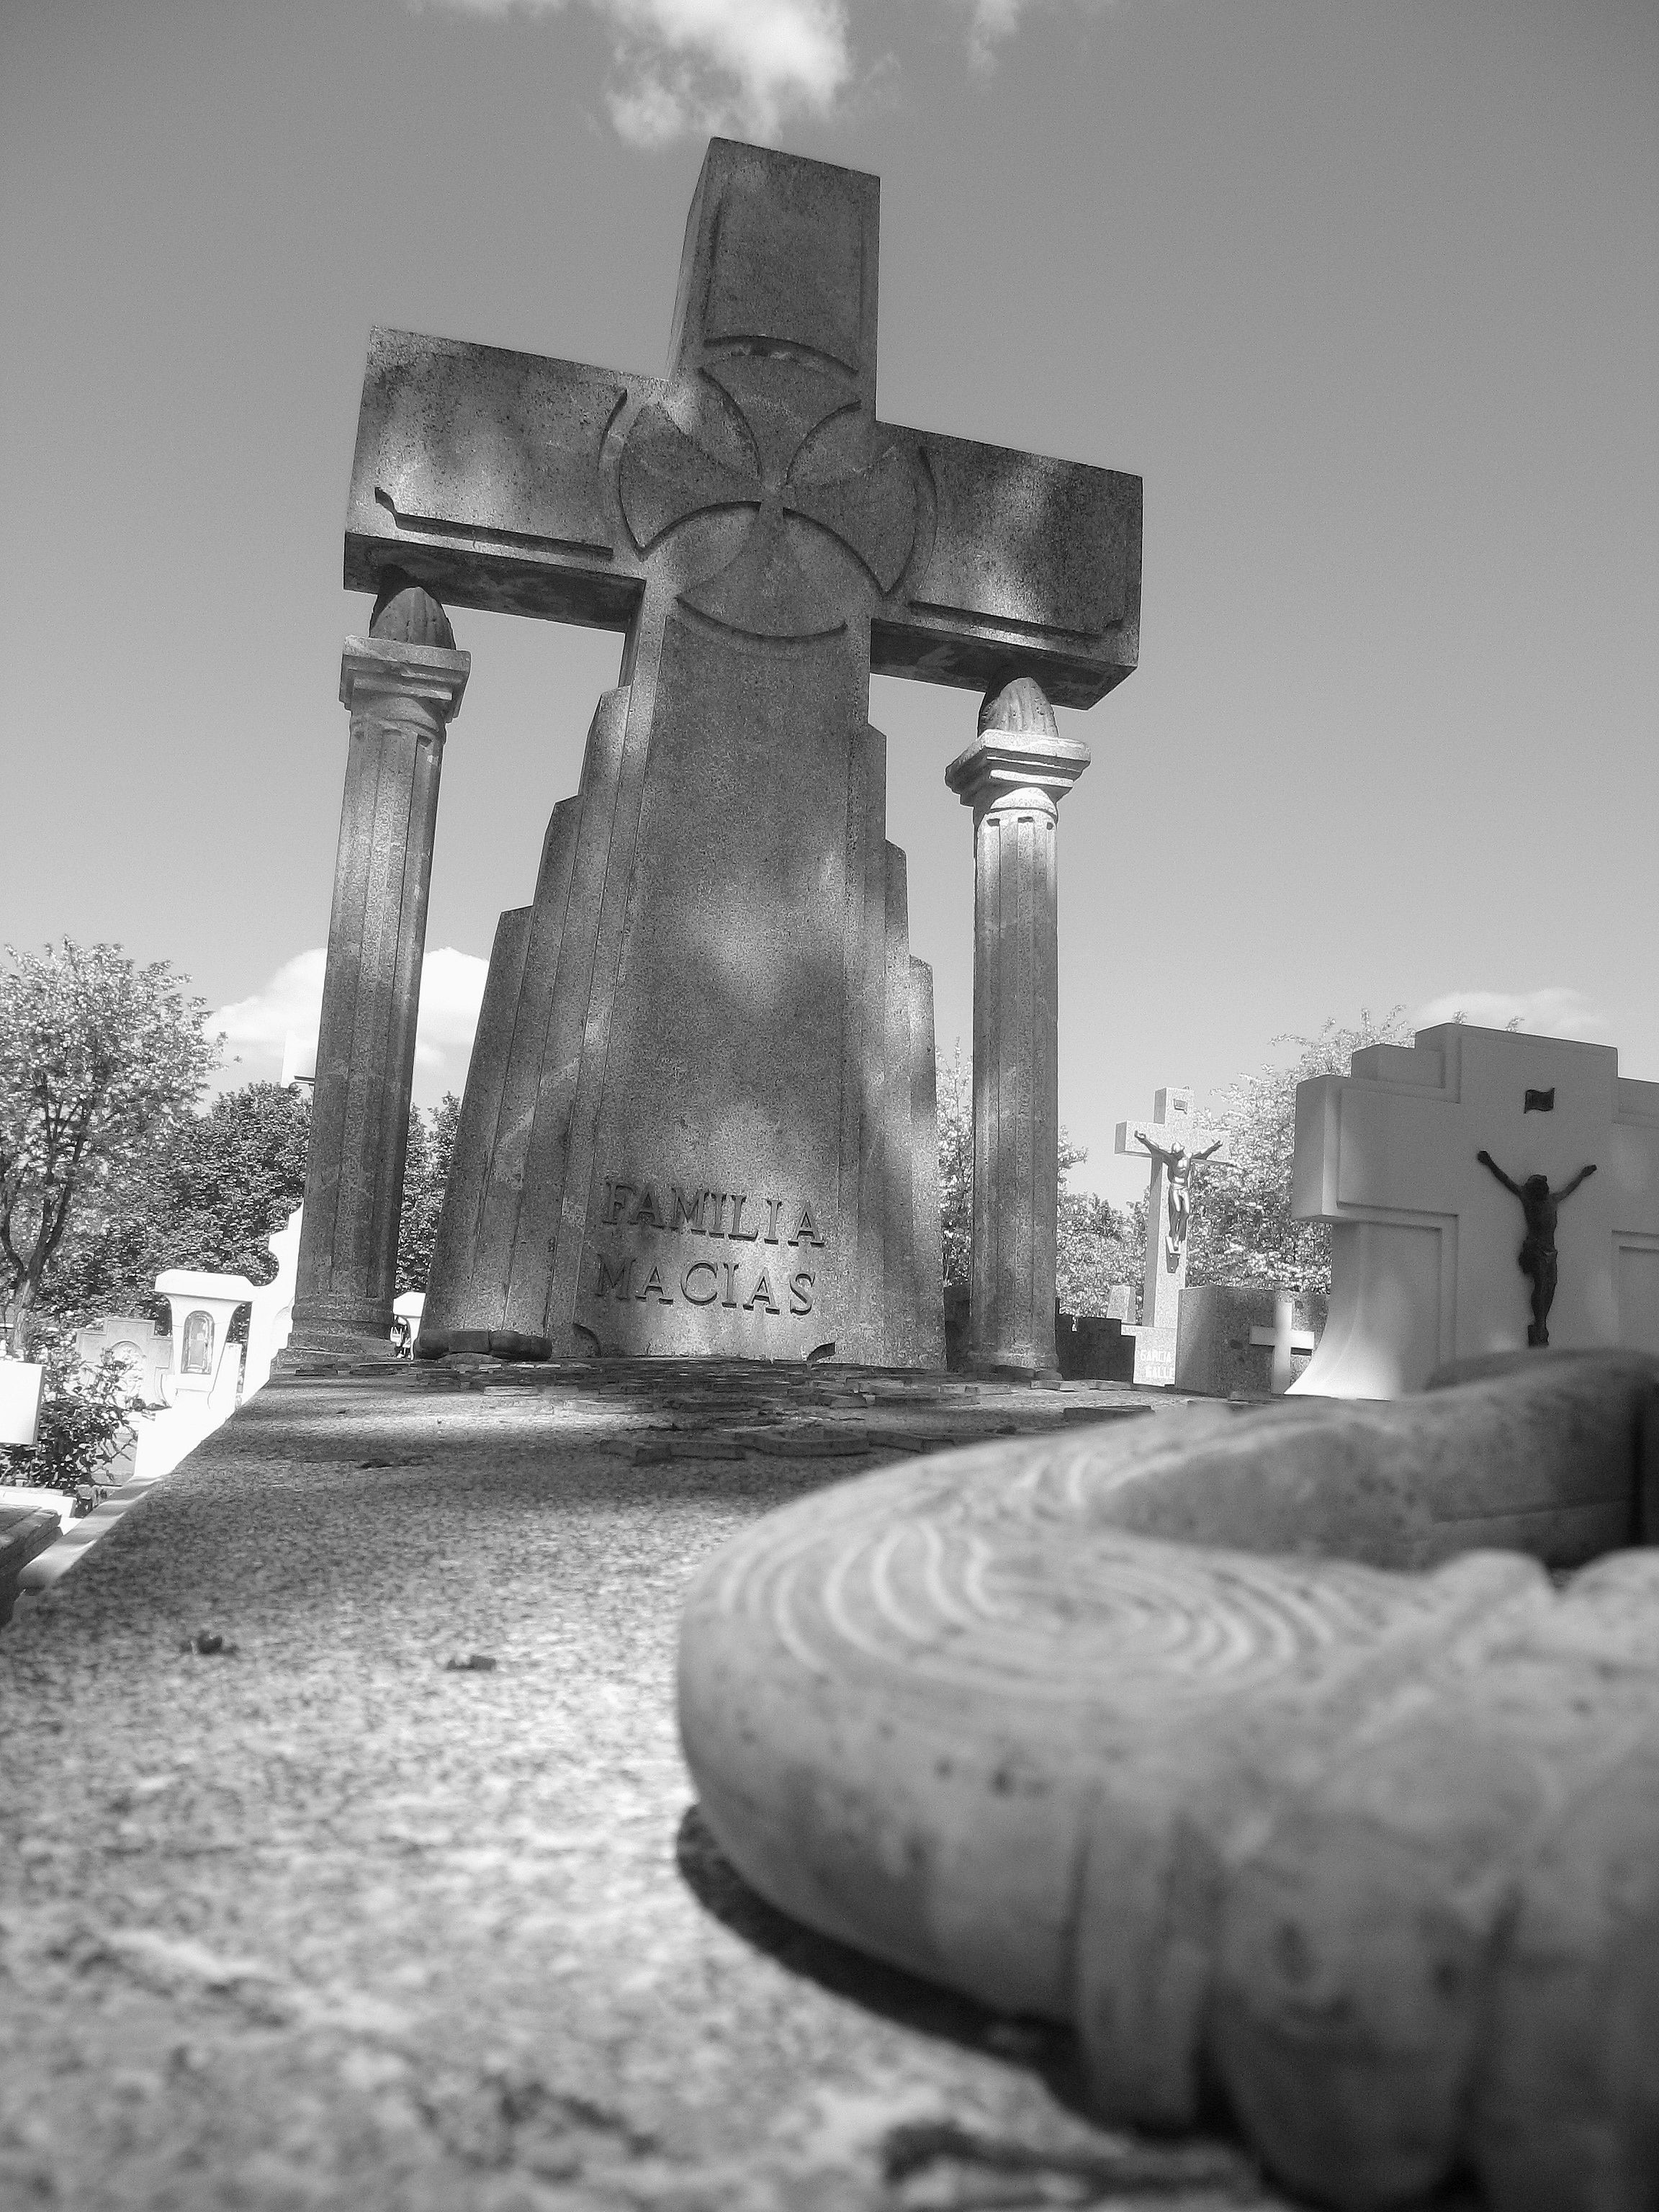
point(1435, 1254)
point(699, 1117)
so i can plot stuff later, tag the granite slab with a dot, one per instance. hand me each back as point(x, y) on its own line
point(303, 1905)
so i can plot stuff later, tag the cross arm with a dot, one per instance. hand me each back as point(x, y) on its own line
point(1365, 1150)
point(478, 473)
point(1018, 558)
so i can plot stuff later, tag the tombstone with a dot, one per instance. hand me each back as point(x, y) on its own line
point(1177, 1148)
point(1427, 1244)
point(271, 1309)
point(1122, 1304)
point(1249, 1338)
point(206, 1366)
point(22, 1383)
point(144, 1352)
point(1093, 1348)
point(406, 1310)
point(698, 1117)
point(205, 1382)
point(1293, 1338)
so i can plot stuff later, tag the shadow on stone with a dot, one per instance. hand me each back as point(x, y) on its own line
point(1050, 2051)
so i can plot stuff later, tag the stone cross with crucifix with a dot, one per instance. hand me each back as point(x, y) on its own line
point(1177, 1149)
point(699, 1115)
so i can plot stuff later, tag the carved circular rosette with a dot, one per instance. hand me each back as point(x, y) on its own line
point(778, 437)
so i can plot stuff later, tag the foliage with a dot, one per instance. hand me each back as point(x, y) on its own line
point(100, 1060)
point(1242, 1228)
point(1096, 1245)
point(955, 1165)
point(84, 1420)
point(226, 1181)
point(426, 1176)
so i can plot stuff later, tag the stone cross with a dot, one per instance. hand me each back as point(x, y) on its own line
point(1284, 1339)
point(693, 1121)
point(1425, 1244)
point(1167, 1218)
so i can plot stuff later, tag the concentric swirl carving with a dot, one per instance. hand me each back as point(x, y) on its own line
point(1241, 1744)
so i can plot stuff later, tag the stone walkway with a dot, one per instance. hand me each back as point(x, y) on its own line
point(347, 1858)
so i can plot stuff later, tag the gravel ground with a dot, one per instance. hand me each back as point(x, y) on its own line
point(347, 1857)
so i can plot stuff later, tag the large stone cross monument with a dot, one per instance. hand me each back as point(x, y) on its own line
point(699, 1116)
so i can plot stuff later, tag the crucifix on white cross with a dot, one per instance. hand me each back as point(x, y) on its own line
point(1177, 1147)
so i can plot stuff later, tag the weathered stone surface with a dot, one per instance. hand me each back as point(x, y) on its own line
point(1013, 775)
point(1236, 1740)
point(401, 696)
point(705, 1136)
point(406, 614)
point(320, 1923)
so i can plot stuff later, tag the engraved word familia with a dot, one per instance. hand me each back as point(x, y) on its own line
point(758, 1281)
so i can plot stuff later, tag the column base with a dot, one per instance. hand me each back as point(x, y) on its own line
point(356, 1340)
point(990, 1367)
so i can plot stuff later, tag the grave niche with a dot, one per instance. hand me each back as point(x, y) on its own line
point(699, 1116)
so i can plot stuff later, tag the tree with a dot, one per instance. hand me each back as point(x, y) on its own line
point(1242, 1227)
point(85, 1419)
point(426, 1177)
point(1096, 1245)
point(100, 1062)
point(210, 1197)
point(955, 1165)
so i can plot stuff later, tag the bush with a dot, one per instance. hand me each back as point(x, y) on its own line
point(85, 1419)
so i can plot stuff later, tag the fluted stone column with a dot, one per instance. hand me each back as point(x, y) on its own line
point(1014, 776)
point(401, 686)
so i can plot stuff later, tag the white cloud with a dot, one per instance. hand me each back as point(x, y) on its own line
point(1552, 1011)
point(990, 22)
point(702, 65)
point(257, 1030)
point(694, 66)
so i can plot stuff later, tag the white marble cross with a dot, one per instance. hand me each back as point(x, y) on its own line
point(1425, 1242)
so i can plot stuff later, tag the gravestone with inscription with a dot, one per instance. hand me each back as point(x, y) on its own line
point(699, 1116)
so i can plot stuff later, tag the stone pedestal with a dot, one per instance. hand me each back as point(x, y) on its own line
point(1013, 776)
point(401, 694)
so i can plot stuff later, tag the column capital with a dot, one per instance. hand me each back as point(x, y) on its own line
point(1016, 770)
point(378, 671)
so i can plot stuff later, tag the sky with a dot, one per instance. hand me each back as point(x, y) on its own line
point(1367, 291)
